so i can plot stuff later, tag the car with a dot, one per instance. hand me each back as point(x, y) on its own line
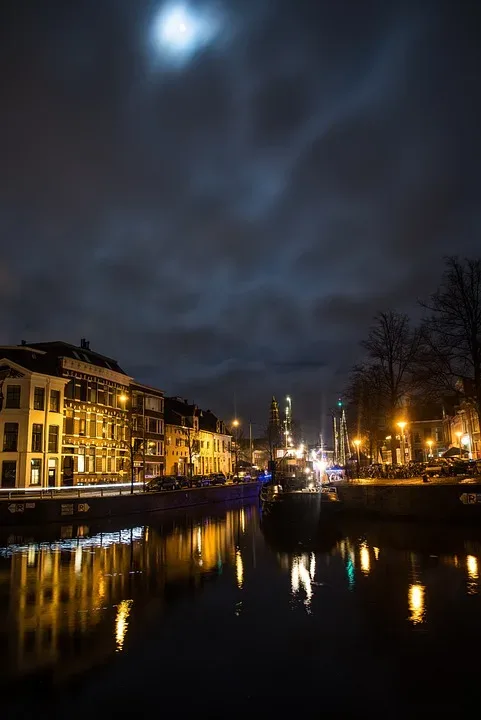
point(200, 481)
point(183, 481)
point(162, 482)
point(217, 479)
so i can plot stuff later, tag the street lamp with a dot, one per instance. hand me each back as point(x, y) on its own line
point(429, 443)
point(401, 425)
point(357, 443)
point(235, 425)
point(123, 398)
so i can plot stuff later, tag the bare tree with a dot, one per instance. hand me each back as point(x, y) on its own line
point(192, 443)
point(367, 406)
point(394, 348)
point(452, 332)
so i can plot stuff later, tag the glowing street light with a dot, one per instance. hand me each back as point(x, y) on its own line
point(429, 443)
point(357, 443)
point(401, 425)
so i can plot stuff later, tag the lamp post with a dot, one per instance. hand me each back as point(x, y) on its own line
point(235, 425)
point(124, 399)
point(357, 443)
point(401, 425)
point(429, 443)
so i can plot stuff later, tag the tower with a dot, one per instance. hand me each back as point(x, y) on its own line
point(274, 427)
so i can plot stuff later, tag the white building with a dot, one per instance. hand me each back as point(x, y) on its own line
point(31, 419)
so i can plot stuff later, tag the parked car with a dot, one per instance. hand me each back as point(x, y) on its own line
point(200, 481)
point(163, 482)
point(217, 479)
point(183, 481)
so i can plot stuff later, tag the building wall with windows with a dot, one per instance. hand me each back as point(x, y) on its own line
point(427, 438)
point(31, 421)
point(148, 433)
point(95, 446)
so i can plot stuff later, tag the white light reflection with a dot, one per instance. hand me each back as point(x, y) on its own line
point(78, 559)
point(121, 623)
point(243, 520)
point(376, 553)
point(365, 559)
point(239, 567)
point(300, 577)
point(416, 600)
point(312, 568)
point(124, 537)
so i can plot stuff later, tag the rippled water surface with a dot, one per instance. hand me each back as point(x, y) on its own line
point(218, 613)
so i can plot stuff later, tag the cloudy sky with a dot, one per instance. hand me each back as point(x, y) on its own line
point(222, 195)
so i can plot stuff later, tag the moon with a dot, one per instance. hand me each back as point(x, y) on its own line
point(181, 30)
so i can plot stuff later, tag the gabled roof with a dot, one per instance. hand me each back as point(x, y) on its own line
point(176, 408)
point(59, 349)
point(31, 359)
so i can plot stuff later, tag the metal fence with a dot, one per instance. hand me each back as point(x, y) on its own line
point(76, 491)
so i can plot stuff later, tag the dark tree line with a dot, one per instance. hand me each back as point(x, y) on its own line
point(440, 357)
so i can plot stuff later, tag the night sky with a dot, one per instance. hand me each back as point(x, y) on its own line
point(221, 198)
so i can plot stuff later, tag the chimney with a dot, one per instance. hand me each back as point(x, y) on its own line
point(85, 344)
point(24, 342)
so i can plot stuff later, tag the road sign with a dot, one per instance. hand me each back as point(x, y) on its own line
point(83, 507)
point(66, 509)
point(16, 508)
point(470, 498)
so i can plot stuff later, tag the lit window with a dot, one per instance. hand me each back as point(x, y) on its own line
point(35, 471)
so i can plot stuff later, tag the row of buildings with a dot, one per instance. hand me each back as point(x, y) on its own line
point(69, 415)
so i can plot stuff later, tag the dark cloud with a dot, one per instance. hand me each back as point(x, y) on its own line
point(227, 228)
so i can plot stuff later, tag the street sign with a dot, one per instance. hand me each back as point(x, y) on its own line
point(470, 498)
point(66, 509)
point(16, 507)
point(83, 507)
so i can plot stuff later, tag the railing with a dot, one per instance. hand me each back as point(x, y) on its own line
point(74, 491)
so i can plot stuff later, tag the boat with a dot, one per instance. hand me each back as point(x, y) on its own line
point(296, 500)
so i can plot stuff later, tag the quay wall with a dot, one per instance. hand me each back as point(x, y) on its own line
point(430, 501)
point(23, 511)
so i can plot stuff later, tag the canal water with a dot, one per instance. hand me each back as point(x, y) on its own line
point(219, 613)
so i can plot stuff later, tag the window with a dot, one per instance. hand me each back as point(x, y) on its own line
point(10, 437)
point(153, 403)
point(68, 422)
point(54, 400)
point(153, 447)
point(112, 430)
point(37, 436)
point(151, 425)
point(82, 423)
point(81, 460)
point(39, 398)
point(417, 437)
point(53, 438)
point(93, 425)
point(93, 392)
point(101, 394)
point(13, 396)
point(69, 391)
point(9, 473)
point(35, 471)
point(110, 397)
point(91, 460)
point(81, 390)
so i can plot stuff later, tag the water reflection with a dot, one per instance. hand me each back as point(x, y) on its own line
point(473, 574)
point(416, 599)
point(121, 623)
point(69, 603)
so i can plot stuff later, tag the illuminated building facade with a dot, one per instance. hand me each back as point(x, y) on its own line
point(147, 431)
point(31, 418)
point(95, 427)
point(196, 441)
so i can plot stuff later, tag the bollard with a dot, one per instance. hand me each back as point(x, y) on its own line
point(425, 478)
